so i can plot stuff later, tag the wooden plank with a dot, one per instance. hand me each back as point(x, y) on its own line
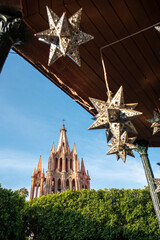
point(32, 7)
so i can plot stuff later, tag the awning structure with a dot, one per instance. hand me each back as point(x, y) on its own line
point(133, 63)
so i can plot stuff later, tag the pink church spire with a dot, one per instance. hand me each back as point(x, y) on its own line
point(39, 165)
point(63, 142)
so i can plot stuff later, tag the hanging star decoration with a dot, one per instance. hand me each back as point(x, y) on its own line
point(155, 121)
point(115, 117)
point(122, 146)
point(64, 36)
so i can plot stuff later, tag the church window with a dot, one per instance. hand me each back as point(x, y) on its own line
point(66, 165)
point(71, 164)
point(73, 184)
point(56, 164)
point(67, 184)
point(60, 169)
point(53, 186)
point(37, 188)
point(59, 185)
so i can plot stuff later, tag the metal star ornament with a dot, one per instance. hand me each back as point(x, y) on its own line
point(155, 122)
point(115, 114)
point(64, 36)
point(122, 146)
point(115, 117)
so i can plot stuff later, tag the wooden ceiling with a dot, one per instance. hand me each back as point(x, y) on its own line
point(133, 63)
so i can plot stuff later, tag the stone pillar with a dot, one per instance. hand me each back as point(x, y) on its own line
point(59, 163)
point(48, 182)
point(53, 163)
point(68, 163)
point(76, 183)
point(56, 185)
point(88, 184)
point(70, 183)
point(63, 181)
point(74, 163)
point(11, 33)
point(142, 147)
point(50, 163)
point(37, 191)
point(41, 186)
point(32, 188)
point(64, 164)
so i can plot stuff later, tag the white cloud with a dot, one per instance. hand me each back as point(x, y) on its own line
point(109, 172)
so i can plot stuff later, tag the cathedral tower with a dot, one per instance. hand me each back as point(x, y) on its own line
point(37, 185)
point(63, 172)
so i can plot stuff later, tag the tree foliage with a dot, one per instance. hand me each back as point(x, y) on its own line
point(11, 205)
point(104, 214)
point(23, 192)
point(110, 214)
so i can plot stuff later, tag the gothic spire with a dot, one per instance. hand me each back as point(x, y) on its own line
point(42, 174)
point(63, 142)
point(74, 149)
point(53, 149)
point(39, 165)
point(78, 168)
point(82, 167)
point(33, 172)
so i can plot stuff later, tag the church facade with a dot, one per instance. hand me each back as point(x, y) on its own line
point(64, 171)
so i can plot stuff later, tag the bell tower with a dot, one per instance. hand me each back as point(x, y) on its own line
point(37, 185)
point(63, 172)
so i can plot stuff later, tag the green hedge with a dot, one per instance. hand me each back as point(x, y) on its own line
point(104, 214)
point(11, 205)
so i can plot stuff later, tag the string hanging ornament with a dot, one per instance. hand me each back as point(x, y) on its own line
point(115, 117)
point(64, 36)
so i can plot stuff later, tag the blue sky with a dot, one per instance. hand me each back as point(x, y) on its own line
point(32, 109)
